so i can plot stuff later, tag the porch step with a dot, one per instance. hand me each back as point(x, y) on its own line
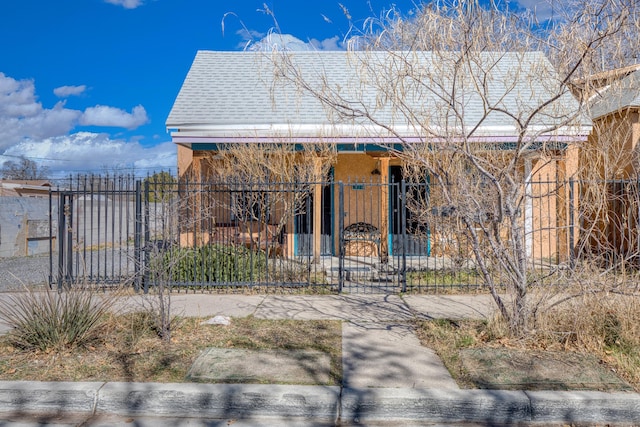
point(352, 269)
point(370, 274)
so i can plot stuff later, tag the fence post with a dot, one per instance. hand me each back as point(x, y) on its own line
point(62, 225)
point(145, 246)
point(137, 240)
point(572, 257)
point(403, 225)
point(69, 212)
point(50, 238)
point(341, 236)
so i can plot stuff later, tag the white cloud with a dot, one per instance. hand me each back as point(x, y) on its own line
point(542, 9)
point(17, 97)
point(332, 43)
point(65, 91)
point(87, 152)
point(248, 37)
point(275, 41)
point(127, 4)
point(102, 115)
point(23, 117)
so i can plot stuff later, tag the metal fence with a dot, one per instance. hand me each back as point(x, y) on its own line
point(328, 236)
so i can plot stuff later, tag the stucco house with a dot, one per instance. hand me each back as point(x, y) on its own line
point(611, 163)
point(245, 97)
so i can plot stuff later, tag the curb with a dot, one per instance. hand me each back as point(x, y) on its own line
point(492, 406)
point(324, 404)
point(174, 400)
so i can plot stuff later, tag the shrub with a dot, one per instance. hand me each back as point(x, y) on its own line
point(215, 263)
point(54, 321)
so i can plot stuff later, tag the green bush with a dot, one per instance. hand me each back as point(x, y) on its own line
point(215, 263)
point(54, 321)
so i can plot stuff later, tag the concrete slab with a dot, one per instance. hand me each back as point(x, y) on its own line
point(262, 366)
point(450, 306)
point(344, 307)
point(220, 401)
point(389, 355)
point(514, 369)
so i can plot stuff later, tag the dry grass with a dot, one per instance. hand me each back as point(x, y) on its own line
point(602, 324)
point(130, 350)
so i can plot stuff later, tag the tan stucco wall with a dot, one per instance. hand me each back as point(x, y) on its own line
point(611, 149)
point(611, 153)
point(544, 209)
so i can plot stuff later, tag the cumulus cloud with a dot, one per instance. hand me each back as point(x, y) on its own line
point(287, 42)
point(22, 116)
point(17, 97)
point(87, 152)
point(127, 4)
point(332, 43)
point(65, 91)
point(102, 115)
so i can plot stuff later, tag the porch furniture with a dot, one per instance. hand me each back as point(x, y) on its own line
point(361, 239)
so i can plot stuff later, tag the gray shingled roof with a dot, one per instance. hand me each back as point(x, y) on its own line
point(619, 95)
point(239, 89)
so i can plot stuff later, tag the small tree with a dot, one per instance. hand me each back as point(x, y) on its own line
point(270, 181)
point(161, 185)
point(487, 57)
point(23, 169)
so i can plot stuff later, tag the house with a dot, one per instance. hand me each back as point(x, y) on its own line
point(610, 164)
point(258, 98)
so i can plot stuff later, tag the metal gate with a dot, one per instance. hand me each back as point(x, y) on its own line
point(100, 232)
point(381, 240)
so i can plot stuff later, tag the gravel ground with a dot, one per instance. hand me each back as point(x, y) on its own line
point(16, 273)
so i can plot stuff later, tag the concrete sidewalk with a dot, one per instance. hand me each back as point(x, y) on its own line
point(388, 377)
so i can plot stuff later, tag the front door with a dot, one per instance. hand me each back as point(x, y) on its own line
point(409, 229)
point(303, 224)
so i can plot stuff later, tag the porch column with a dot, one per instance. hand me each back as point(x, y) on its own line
point(528, 209)
point(564, 245)
point(384, 206)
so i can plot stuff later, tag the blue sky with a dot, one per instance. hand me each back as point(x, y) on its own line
point(86, 85)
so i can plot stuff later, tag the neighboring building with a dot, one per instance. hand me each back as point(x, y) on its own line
point(24, 188)
point(242, 97)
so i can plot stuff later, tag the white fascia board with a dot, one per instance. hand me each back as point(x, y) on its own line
point(277, 131)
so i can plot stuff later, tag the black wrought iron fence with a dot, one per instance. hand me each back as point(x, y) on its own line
point(335, 236)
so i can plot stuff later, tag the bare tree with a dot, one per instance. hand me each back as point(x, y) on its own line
point(23, 169)
point(269, 182)
point(457, 69)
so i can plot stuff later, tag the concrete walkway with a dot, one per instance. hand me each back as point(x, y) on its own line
point(379, 347)
point(388, 378)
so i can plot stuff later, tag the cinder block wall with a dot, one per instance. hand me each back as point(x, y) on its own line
point(24, 226)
